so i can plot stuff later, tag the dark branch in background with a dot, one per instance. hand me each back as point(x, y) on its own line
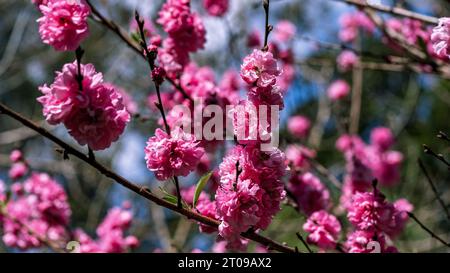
point(433, 187)
point(443, 136)
point(151, 56)
point(142, 191)
point(432, 234)
point(123, 35)
point(440, 157)
point(397, 11)
point(267, 27)
point(299, 236)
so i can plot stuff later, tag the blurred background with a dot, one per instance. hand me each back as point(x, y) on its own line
point(414, 105)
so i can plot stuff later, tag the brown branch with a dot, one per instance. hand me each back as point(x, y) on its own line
point(299, 236)
point(123, 35)
point(433, 187)
point(267, 26)
point(440, 157)
point(397, 11)
point(142, 191)
point(432, 234)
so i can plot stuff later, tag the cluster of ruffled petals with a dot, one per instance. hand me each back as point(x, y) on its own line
point(338, 90)
point(111, 234)
point(260, 69)
point(323, 228)
point(63, 24)
point(440, 38)
point(299, 126)
point(127, 100)
point(95, 115)
point(205, 206)
point(216, 7)
point(351, 23)
point(250, 191)
point(284, 31)
point(19, 167)
point(311, 195)
point(299, 157)
point(362, 241)
point(347, 60)
point(38, 209)
point(184, 27)
point(172, 155)
point(374, 160)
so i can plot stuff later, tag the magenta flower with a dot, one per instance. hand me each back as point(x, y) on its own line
point(339, 89)
point(284, 31)
point(324, 229)
point(175, 155)
point(63, 24)
point(260, 69)
point(299, 126)
point(440, 37)
point(216, 7)
point(17, 170)
point(382, 138)
point(95, 115)
point(347, 60)
point(361, 241)
point(299, 157)
point(310, 193)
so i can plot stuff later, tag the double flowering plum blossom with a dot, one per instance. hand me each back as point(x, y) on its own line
point(323, 228)
point(39, 204)
point(63, 24)
point(172, 155)
point(95, 115)
point(298, 157)
point(351, 23)
point(440, 38)
point(260, 69)
point(299, 126)
point(216, 7)
point(338, 90)
point(347, 60)
point(205, 206)
point(111, 234)
point(311, 195)
point(362, 241)
point(284, 31)
point(250, 191)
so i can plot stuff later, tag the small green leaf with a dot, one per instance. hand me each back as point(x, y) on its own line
point(170, 198)
point(200, 185)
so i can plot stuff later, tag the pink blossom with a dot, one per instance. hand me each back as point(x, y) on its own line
point(440, 38)
point(324, 229)
point(402, 207)
point(149, 29)
point(270, 96)
point(310, 193)
point(361, 241)
point(158, 75)
point(254, 39)
point(182, 25)
point(299, 126)
point(347, 60)
point(127, 99)
point(338, 90)
point(95, 115)
point(175, 155)
point(63, 24)
point(351, 23)
point(250, 199)
point(385, 166)
point(18, 170)
point(382, 138)
point(230, 81)
point(216, 7)
point(39, 2)
point(299, 157)
point(260, 69)
point(286, 78)
point(16, 156)
point(370, 211)
point(172, 58)
point(284, 31)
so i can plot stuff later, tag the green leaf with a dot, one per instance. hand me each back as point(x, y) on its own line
point(171, 198)
point(200, 185)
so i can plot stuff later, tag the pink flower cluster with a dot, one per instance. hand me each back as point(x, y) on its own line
point(216, 7)
point(111, 234)
point(375, 219)
point(63, 24)
point(95, 115)
point(347, 60)
point(250, 192)
point(284, 31)
point(186, 34)
point(19, 167)
point(324, 229)
point(298, 157)
point(174, 155)
point(204, 206)
point(351, 23)
point(365, 162)
point(310, 193)
point(440, 38)
point(39, 205)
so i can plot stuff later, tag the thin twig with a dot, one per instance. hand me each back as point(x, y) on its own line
point(142, 191)
point(299, 236)
point(440, 157)
point(267, 26)
point(433, 187)
point(443, 136)
point(432, 234)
